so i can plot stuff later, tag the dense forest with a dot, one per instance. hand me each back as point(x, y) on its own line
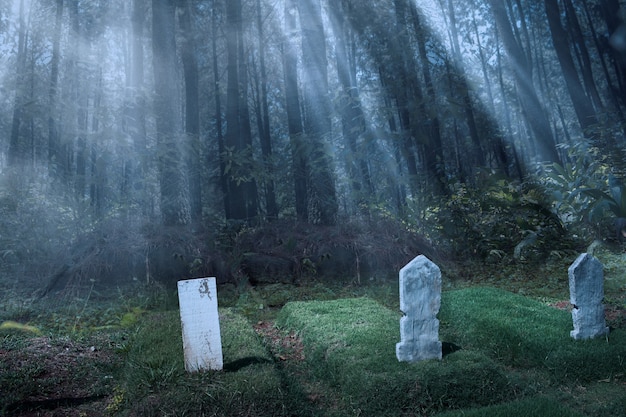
point(282, 139)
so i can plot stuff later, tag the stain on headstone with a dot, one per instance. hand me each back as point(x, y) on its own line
point(586, 286)
point(420, 300)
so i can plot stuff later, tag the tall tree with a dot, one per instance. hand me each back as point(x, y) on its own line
point(263, 121)
point(434, 149)
point(463, 87)
point(53, 140)
point(582, 52)
point(136, 169)
point(192, 108)
point(349, 107)
point(294, 115)
point(581, 102)
point(323, 204)
point(522, 70)
point(241, 185)
point(17, 152)
point(221, 148)
point(80, 96)
point(612, 13)
point(173, 190)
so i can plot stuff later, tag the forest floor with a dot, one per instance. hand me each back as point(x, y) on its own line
point(104, 354)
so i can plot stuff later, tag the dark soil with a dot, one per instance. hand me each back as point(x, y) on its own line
point(58, 378)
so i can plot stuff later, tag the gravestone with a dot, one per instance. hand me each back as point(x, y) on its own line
point(420, 299)
point(586, 286)
point(202, 342)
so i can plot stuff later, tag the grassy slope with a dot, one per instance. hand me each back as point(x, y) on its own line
point(155, 381)
point(350, 342)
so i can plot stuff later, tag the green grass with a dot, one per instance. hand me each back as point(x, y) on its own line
point(155, 381)
point(530, 407)
point(517, 358)
point(351, 347)
point(524, 333)
point(513, 347)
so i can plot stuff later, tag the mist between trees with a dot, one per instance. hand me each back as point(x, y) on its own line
point(143, 138)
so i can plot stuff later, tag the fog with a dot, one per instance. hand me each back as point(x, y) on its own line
point(133, 152)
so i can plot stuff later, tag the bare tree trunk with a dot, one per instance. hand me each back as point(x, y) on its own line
point(53, 140)
point(192, 109)
point(17, 151)
point(531, 105)
point(218, 116)
point(294, 115)
point(576, 33)
point(581, 102)
point(241, 184)
point(352, 117)
point(174, 198)
point(264, 124)
point(323, 206)
point(468, 106)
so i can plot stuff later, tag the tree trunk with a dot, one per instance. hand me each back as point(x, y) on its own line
point(218, 116)
point(53, 140)
point(17, 151)
point(531, 105)
point(97, 186)
point(585, 61)
point(352, 117)
point(137, 170)
point(174, 200)
point(250, 189)
point(611, 11)
point(582, 104)
point(192, 109)
point(407, 94)
point(241, 185)
point(265, 136)
point(464, 89)
point(294, 115)
point(613, 92)
point(323, 204)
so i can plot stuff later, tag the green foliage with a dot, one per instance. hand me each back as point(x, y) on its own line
point(34, 226)
point(584, 192)
point(498, 220)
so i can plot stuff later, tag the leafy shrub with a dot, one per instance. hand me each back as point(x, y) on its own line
point(501, 219)
point(588, 198)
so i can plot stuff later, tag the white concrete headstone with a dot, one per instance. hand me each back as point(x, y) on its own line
point(420, 299)
point(586, 287)
point(202, 341)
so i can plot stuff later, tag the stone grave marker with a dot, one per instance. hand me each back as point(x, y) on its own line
point(420, 299)
point(586, 286)
point(202, 342)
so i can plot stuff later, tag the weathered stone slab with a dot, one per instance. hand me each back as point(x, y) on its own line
point(586, 286)
point(420, 300)
point(202, 342)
